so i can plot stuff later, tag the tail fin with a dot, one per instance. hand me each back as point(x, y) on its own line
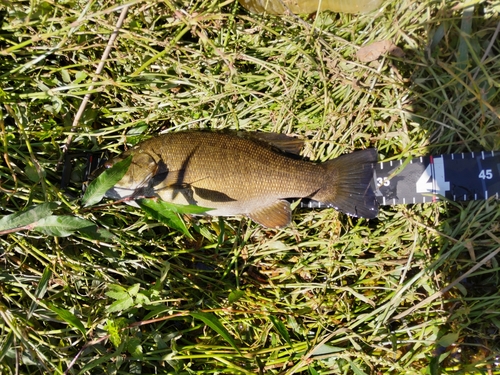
point(347, 185)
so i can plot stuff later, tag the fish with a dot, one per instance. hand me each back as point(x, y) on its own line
point(254, 174)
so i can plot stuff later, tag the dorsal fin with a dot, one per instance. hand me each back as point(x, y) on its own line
point(277, 215)
point(283, 142)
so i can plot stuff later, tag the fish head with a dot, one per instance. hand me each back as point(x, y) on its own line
point(142, 169)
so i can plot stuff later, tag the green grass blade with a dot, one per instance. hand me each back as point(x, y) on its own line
point(355, 369)
point(214, 323)
point(69, 318)
point(6, 345)
point(41, 289)
point(281, 328)
point(96, 362)
point(463, 46)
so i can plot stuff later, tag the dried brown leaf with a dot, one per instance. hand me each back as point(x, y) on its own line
point(373, 51)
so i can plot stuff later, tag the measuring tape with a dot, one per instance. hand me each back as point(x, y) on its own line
point(457, 177)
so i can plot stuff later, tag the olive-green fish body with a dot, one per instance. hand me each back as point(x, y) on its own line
point(238, 173)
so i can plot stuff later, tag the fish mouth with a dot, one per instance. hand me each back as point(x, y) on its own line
point(91, 176)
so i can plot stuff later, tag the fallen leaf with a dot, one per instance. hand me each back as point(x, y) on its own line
point(374, 50)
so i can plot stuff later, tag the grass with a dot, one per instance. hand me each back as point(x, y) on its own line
point(327, 295)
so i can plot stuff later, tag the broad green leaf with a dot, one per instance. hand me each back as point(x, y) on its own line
point(32, 173)
point(117, 295)
point(235, 295)
point(121, 304)
point(65, 76)
point(79, 77)
point(158, 211)
point(134, 347)
point(142, 299)
point(116, 288)
point(69, 318)
point(122, 296)
point(134, 289)
point(448, 339)
point(117, 292)
point(177, 208)
point(214, 323)
point(96, 233)
point(105, 181)
point(62, 226)
point(134, 367)
point(114, 328)
point(280, 327)
point(27, 217)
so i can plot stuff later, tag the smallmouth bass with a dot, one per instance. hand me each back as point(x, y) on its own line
point(245, 173)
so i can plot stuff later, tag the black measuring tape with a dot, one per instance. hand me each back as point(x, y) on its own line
point(457, 177)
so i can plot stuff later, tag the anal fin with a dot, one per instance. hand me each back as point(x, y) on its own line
point(276, 215)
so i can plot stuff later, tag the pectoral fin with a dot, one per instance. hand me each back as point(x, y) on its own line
point(177, 194)
point(169, 179)
point(212, 195)
point(277, 215)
